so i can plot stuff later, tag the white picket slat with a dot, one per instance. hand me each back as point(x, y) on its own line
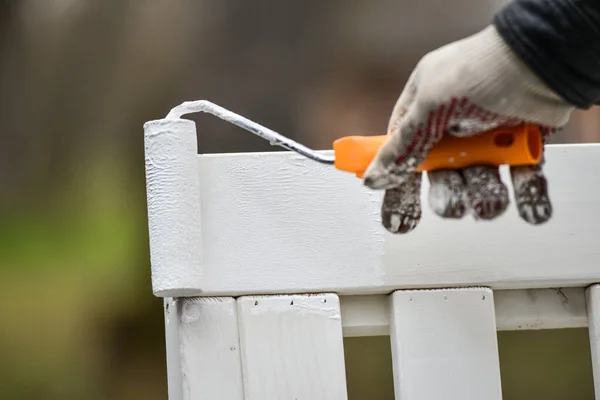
point(174, 378)
point(292, 347)
point(209, 349)
point(593, 311)
point(444, 345)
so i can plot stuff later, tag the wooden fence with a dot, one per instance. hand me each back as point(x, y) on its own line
point(267, 260)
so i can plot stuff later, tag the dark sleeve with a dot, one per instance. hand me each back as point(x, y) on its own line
point(560, 41)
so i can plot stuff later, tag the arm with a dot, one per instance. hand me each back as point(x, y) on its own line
point(560, 41)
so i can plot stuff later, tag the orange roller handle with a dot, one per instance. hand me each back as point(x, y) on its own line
point(520, 145)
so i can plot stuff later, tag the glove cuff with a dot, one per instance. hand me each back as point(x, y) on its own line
point(495, 70)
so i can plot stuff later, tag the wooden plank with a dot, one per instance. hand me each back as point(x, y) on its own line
point(521, 309)
point(540, 309)
point(292, 347)
point(444, 345)
point(209, 349)
point(279, 223)
point(593, 309)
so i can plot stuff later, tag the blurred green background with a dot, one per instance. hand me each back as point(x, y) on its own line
point(78, 78)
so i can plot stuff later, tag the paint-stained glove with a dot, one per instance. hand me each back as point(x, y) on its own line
point(464, 88)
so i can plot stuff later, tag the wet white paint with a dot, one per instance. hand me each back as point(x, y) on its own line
point(273, 217)
point(174, 218)
point(395, 222)
point(279, 223)
point(439, 197)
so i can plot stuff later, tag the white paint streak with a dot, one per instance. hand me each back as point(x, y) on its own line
point(439, 198)
point(292, 348)
point(173, 192)
point(395, 222)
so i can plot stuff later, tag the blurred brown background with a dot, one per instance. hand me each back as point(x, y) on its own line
point(78, 78)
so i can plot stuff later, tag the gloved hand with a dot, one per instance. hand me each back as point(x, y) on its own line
point(464, 88)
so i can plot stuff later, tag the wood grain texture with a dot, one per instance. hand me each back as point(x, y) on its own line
point(209, 349)
point(520, 309)
point(292, 347)
point(278, 223)
point(593, 309)
point(444, 345)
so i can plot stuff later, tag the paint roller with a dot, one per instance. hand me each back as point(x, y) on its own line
point(515, 146)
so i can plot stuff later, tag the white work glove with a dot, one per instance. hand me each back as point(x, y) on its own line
point(462, 89)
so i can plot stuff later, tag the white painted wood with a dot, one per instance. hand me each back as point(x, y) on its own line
point(444, 345)
point(520, 309)
point(209, 349)
point(365, 315)
point(174, 378)
point(279, 223)
point(292, 347)
point(540, 309)
point(593, 309)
